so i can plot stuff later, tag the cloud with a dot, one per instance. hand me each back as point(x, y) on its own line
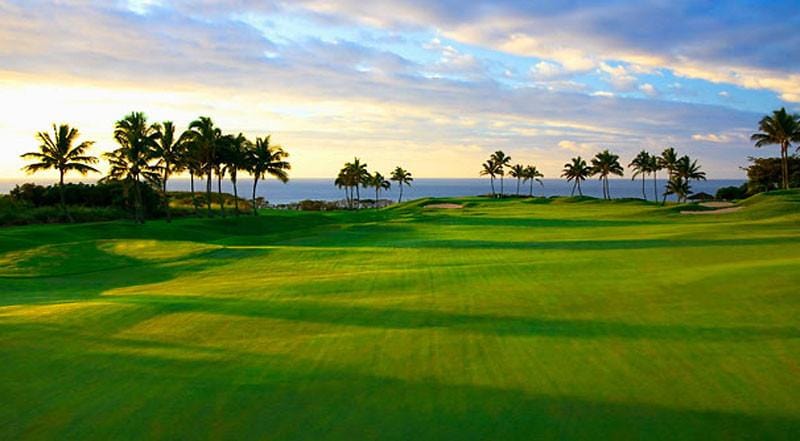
point(648, 89)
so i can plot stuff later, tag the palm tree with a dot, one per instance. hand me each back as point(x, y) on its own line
point(169, 152)
point(206, 138)
point(402, 177)
point(345, 181)
point(378, 182)
point(57, 152)
point(491, 169)
point(192, 161)
point(517, 171)
point(577, 171)
point(604, 164)
point(358, 175)
point(234, 158)
point(687, 170)
point(131, 162)
point(267, 160)
point(782, 129)
point(532, 174)
point(679, 187)
point(641, 166)
point(668, 160)
point(653, 167)
point(502, 161)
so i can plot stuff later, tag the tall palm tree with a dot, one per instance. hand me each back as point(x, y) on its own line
point(234, 158)
point(132, 162)
point(402, 177)
point(378, 182)
point(679, 187)
point(206, 138)
point(641, 166)
point(502, 161)
point(653, 166)
point(358, 176)
point(668, 161)
point(780, 129)
point(192, 161)
point(517, 171)
point(577, 171)
point(59, 153)
point(532, 174)
point(604, 164)
point(491, 169)
point(169, 152)
point(345, 181)
point(267, 160)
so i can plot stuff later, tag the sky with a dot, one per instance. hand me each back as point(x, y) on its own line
point(434, 86)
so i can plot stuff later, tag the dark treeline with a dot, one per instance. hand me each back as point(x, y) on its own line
point(355, 175)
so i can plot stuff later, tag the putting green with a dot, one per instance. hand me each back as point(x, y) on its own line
point(513, 319)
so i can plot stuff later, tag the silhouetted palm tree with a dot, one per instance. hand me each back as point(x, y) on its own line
point(267, 160)
point(502, 161)
point(169, 153)
point(679, 187)
point(782, 129)
point(668, 160)
point(604, 164)
point(192, 161)
point(491, 169)
point(402, 177)
point(687, 170)
point(532, 174)
point(517, 171)
point(577, 171)
point(132, 162)
point(378, 182)
point(59, 153)
point(206, 138)
point(235, 158)
point(641, 166)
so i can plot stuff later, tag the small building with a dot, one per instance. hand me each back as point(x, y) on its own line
point(701, 197)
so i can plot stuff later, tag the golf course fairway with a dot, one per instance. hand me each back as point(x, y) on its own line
point(503, 319)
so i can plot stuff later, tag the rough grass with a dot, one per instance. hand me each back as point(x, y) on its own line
point(513, 319)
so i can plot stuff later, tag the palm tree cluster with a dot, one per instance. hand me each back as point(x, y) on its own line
point(680, 170)
point(355, 175)
point(496, 166)
point(150, 153)
point(782, 129)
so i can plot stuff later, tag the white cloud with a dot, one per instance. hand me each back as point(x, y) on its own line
point(648, 89)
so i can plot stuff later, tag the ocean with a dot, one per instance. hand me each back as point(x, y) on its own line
point(323, 189)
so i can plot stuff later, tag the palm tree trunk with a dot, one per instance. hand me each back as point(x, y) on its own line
point(401, 192)
point(669, 178)
point(208, 192)
point(166, 196)
point(580, 193)
point(655, 186)
point(138, 196)
point(191, 183)
point(235, 194)
point(491, 180)
point(62, 197)
point(376, 196)
point(255, 184)
point(785, 164)
point(574, 186)
point(517, 186)
point(501, 185)
point(644, 195)
point(219, 192)
point(531, 192)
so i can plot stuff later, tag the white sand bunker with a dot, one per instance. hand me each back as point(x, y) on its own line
point(445, 206)
point(718, 204)
point(717, 211)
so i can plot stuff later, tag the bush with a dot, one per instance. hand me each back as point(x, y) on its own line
point(732, 192)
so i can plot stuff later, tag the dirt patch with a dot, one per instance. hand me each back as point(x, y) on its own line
point(719, 211)
point(445, 206)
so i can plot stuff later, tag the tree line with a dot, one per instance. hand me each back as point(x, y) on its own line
point(150, 153)
point(355, 175)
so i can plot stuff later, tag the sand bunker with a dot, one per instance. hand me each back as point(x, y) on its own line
point(718, 204)
point(719, 211)
point(445, 206)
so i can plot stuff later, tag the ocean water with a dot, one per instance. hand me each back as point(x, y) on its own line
point(323, 189)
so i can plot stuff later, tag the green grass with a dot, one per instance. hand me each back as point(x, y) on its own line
point(526, 319)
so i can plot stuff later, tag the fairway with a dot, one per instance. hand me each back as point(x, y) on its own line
point(504, 319)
